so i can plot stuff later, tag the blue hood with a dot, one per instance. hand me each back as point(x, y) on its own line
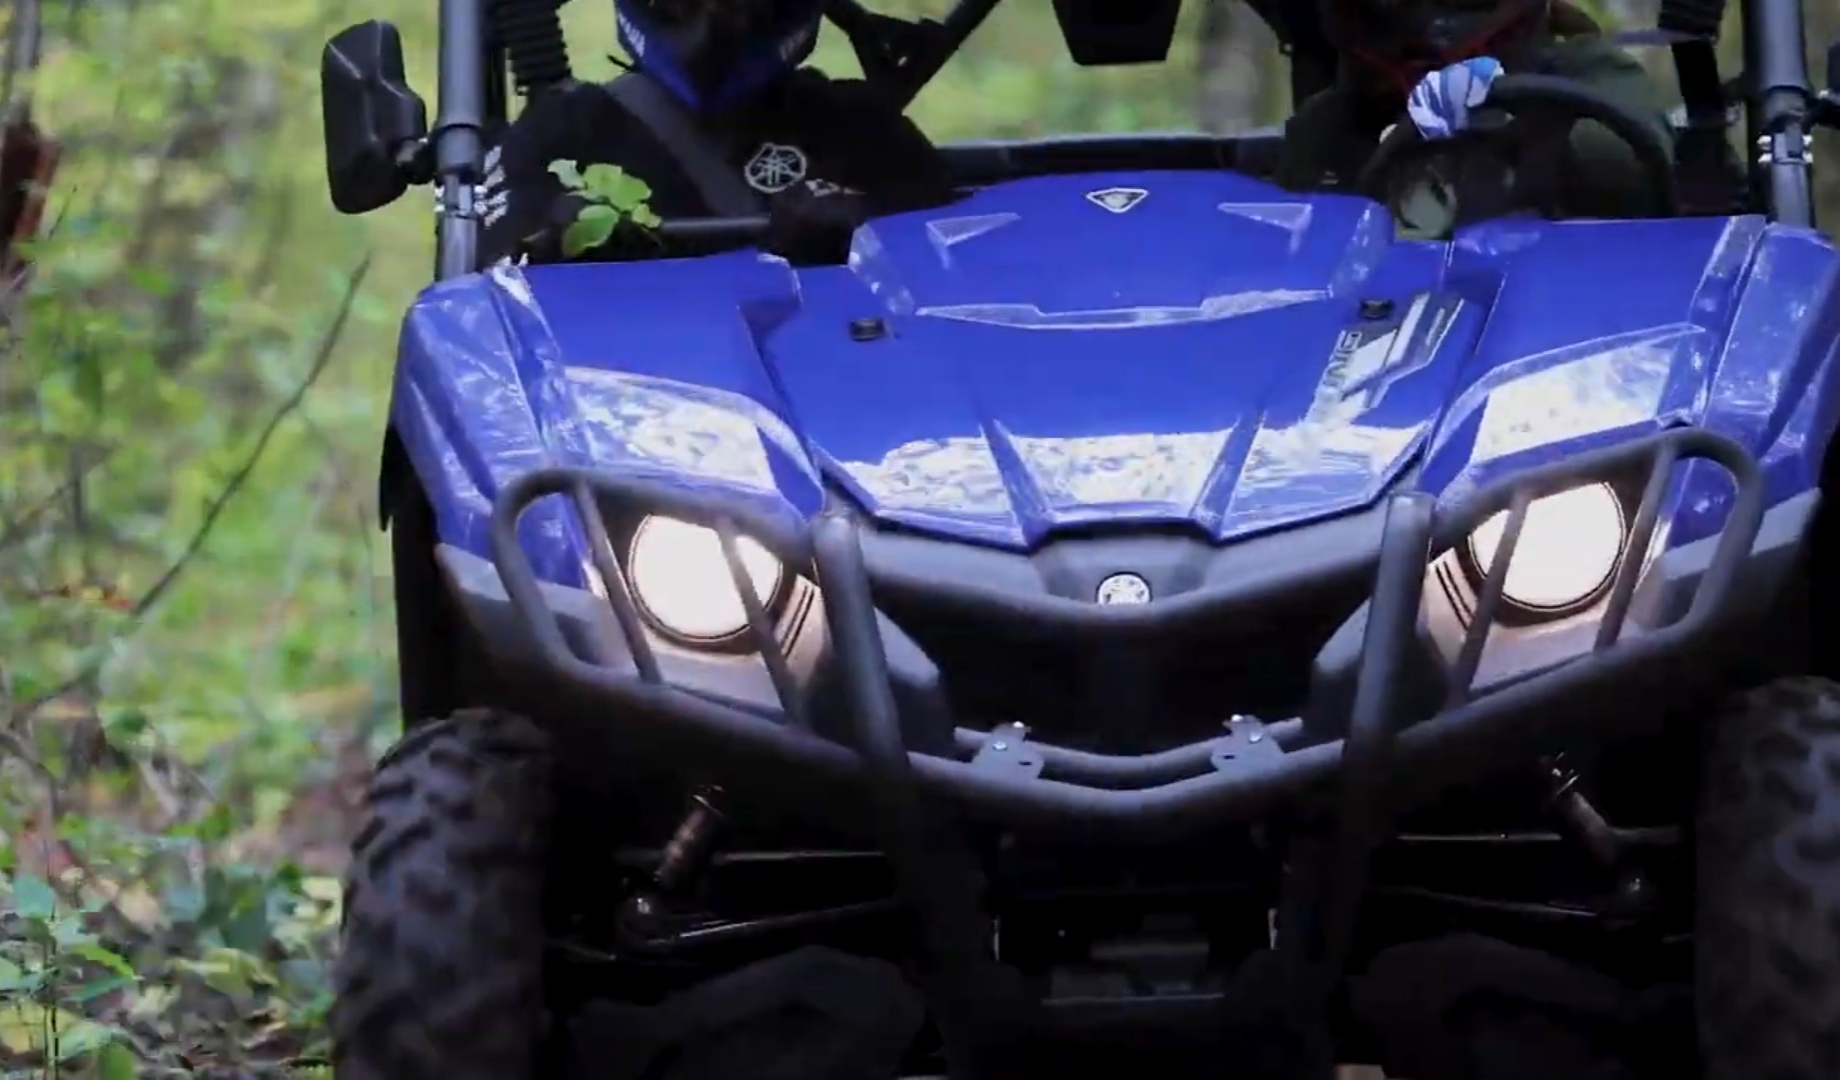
point(1217, 353)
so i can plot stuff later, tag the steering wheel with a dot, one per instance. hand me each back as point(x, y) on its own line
point(1525, 125)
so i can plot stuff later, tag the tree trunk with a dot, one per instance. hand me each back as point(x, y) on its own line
point(1236, 54)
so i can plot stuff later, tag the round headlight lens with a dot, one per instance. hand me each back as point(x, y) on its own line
point(683, 583)
point(1569, 549)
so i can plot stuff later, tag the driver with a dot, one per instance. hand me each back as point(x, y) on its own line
point(821, 154)
point(1442, 54)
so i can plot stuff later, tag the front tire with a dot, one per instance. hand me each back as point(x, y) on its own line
point(440, 968)
point(1767, 940)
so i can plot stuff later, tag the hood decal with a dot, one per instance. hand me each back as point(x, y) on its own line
point(1030, 317)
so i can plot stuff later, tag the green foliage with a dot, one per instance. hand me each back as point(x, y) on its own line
point(189, 657)
point(253, 965)
point(610, 196)
point(51, 966)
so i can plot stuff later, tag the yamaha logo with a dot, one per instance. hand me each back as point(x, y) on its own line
point(1119, 200)
point(1124, 589)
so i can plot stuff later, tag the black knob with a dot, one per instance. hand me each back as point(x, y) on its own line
point(868, 330)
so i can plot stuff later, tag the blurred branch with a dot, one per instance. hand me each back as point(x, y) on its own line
point(322, 357)
point(232, 487)
point(19, 528)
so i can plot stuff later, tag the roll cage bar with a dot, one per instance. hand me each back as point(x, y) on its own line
point(485, 41)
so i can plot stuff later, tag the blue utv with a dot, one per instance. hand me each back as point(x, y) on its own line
point(1110, 610)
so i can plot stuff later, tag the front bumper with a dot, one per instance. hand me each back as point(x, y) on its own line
point(1423, 739)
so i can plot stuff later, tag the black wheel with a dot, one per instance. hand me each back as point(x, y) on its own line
point(1767, 942)
point(439, 973)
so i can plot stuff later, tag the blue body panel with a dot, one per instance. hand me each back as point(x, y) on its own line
point(1224, 355)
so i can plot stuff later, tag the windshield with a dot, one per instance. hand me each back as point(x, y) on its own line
point(1014, 80)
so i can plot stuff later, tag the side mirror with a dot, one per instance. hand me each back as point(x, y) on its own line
point(1106, 33)
point(374, 124)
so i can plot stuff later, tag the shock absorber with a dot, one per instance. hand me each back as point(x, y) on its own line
point(1580, 820)
point(530, 31)
point(686, 855)
point(1577, 815)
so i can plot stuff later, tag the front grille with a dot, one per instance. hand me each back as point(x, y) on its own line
point(1129, 697)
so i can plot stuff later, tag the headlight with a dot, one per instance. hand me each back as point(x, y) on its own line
point(1568, 552)
point(683, 583)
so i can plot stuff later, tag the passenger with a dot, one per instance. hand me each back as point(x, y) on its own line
point(1442, 53)
point(820, 154)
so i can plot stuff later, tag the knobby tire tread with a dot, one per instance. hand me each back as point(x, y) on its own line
point(439, 973)
point(1768, 921)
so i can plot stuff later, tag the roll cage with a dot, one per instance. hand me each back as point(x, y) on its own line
point(379, 141)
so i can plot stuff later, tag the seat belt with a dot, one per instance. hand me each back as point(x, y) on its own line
point(694, 149)
point(1690, 29)
point(1693, 26)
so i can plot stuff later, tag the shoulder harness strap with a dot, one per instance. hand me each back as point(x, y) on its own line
point(694, 149)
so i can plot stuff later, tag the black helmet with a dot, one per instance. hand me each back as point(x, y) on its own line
point(1391, 44)
point(716, 54)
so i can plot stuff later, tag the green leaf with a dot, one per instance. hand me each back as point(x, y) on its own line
point(643, 216)
point(154, 282)
point(83, 1038)
point(68, 931)
point(231, 971)
point(33, 897)
point(183, 901)
point(12, 977)
point(569, 172)
point(616, 187)
point(590, 230)
point(89, 992)
point(125, 725)
point(28, 1026)
point(216, 825)
point(116, 1062)
point(102, 957)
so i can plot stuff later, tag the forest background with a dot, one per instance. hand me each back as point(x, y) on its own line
point(195, 628)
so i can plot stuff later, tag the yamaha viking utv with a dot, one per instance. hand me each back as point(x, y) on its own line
point(1111, 611)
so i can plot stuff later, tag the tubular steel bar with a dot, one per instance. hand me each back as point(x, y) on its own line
point(458, 137)
point(619, 589)
point(1183, 788)
point(1129, 770)
point(772, 653)
point(1775, 45)
point(1635, 549)
point(1488, 603)
point(936, 879)
point(1367, 751)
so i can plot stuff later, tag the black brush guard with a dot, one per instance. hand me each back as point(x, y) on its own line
point(1247, 771)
